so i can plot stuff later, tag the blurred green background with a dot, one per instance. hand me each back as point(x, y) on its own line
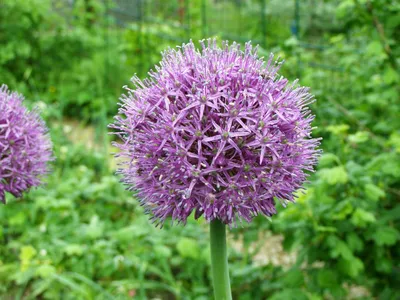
point(84, 237)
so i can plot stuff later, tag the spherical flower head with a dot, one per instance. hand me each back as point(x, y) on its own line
point(215, 131)
point(25, 147)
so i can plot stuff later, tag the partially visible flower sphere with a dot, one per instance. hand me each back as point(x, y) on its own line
point(215, 131)
point(25, 147)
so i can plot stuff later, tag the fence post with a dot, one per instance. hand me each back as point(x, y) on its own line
point(263, 24)
point(297, 34)
point(204, 30)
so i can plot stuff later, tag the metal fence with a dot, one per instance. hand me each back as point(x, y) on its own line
point(177, 21)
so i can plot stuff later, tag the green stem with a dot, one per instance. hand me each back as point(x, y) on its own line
point(219, 261)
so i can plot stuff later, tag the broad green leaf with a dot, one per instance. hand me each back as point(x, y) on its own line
point(45, 271)
point(205, 255)
point(27, 253)
point(391, 215)
point(343, 8)
point(352, 267)
point(131, 232)
point(293, 278)
point(328, 160)
point(373, 192)
point(362, 217)
point(387, 163)
point(341, 249)
point(374, 48)
point(74, 249)
point(18, 219)
point(342, 210)
point(289, 294)
point(95, 228)
point(327, 278)
point(354, 241)
point(391, 76)
point(394, 141)
point(386, 236)
point(162, 251)
point(334, 175)
point(321, 228)
point(384, 265)
point(359, 137)
point(189, 248)
point(338, 129)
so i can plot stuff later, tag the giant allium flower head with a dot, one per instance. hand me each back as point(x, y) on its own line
point(216, 131)
point(25, 147)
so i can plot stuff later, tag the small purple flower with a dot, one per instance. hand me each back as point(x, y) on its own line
point(217, 132)
point(25, 147)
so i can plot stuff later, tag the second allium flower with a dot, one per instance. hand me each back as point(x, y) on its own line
point(25, 147)
point(217, 132)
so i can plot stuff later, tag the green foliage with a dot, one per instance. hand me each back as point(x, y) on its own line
point(84, 237)
point(61, 54)
point(353, 196)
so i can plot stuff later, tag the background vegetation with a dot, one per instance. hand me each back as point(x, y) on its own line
point(84, 237)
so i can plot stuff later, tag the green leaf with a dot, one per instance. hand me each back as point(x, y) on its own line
point(338, 129)
point(352, 267)
point(95, 228)
point(72, 285)
point(354, 241)
point(293, 278)
point(394, 141)
point(18, 219)
point(128, 233)
point(341, 249)
point(27, 253)
point(327, 160)
point(387, 163)
point(384, 265)
point(45, 271)
point(373, 192)
point(386, 236)
point(334, 175)
point(327, 278)
point(342, 210)
point(188, 247)
point(391, 215)
point(359, 137)
point(205, 255)
point(362, 217)
point(92, 284)
point(289, 294)
point(391, 76)
point(162, 251)
point(74, 249)
point(343, 8)
point(374, 48)
point(321, 228)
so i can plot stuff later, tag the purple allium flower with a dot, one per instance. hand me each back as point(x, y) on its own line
point(25, 147)
point(216, 132)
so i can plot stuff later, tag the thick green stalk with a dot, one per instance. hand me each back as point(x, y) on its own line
point(219, 261)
